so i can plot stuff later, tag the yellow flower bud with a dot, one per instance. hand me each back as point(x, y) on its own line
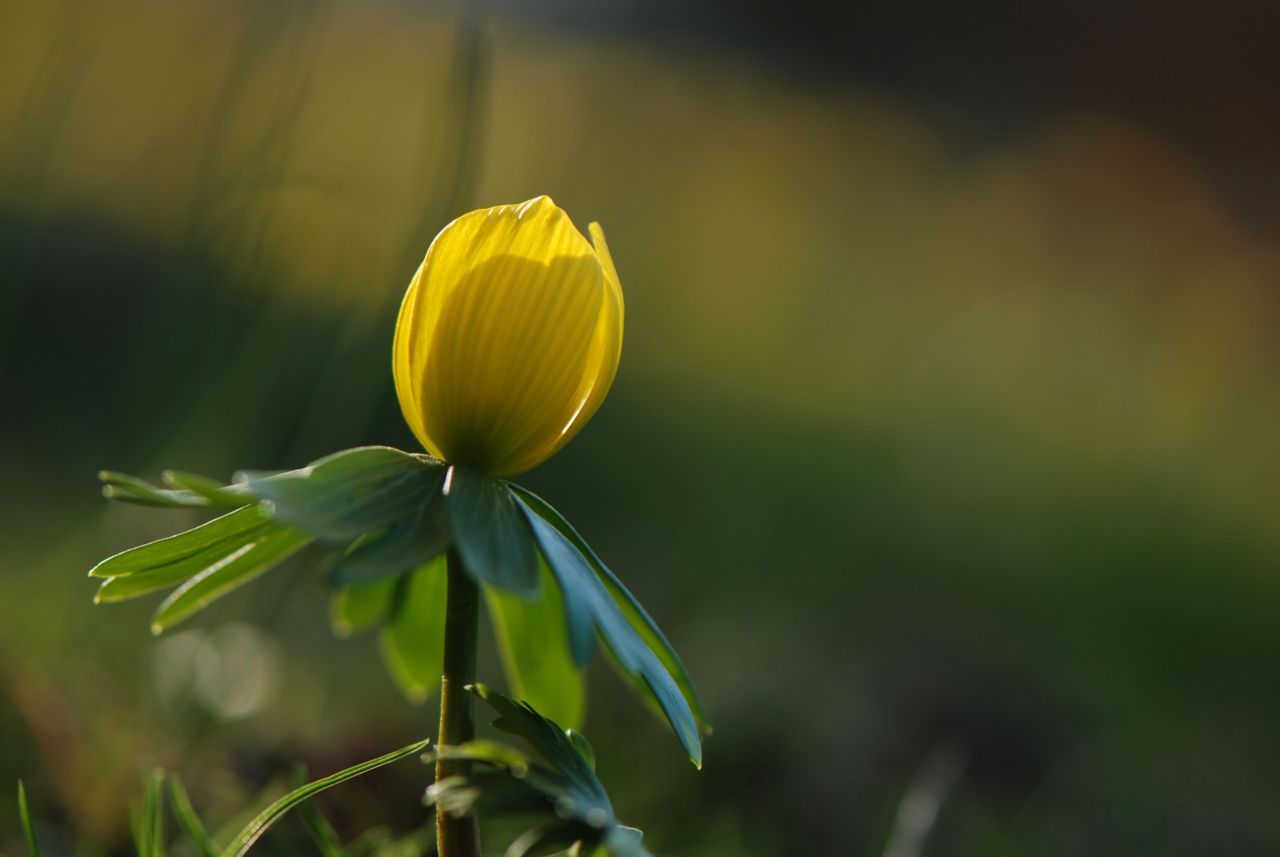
point(508, 338)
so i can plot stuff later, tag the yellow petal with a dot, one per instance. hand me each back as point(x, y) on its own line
point(504, 337)
point(401, 353)
point(606, 352)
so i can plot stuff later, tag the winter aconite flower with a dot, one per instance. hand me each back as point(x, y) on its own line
point(508, 338)
point(506, 344)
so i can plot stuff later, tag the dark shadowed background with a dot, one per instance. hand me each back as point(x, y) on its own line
point(944, 445)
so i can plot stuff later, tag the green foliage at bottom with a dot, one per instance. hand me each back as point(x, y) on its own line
point(149, 828)
point(554, 787)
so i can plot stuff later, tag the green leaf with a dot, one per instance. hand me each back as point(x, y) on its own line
point(322, 832)
point(413, 540)
point(578, 615)
point(211, 490)
point(24, 818)
point(534, 643)
point(131, 489)
point(491, 534)
point(622, 841)
point(247, 562)
point(549, 740)
point(650, 677)
point(163, 576)
point(483, 750)
point(359, 607)
point(555, 790)
point(319, 828)
point(149, 828)
point(188, 820)
point(582, 745)
point(234, 529)
point(635, 614)
point(412, 642)
point(349, 493)
point(273, 813)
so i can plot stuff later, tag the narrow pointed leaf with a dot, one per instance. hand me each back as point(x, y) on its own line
point(149, 832)
point(534, 644)
point(273, 813)
point(216, 493)
point(549, 740)
point(240, 524)
point(658, 689)
point(322, 832)
point(412, 642)
point(649, 675)
point(554, 789)
point(246, 563)
point(163, 576)
point(131, 489)
point(575, 575)
point(491, 533)
point(24, 818)
point(188, 820)
point(635, 614)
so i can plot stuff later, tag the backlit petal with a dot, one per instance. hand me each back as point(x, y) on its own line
point(505, 335)
point(602, 366)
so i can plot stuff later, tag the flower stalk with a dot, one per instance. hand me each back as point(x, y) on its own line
point(458, 836)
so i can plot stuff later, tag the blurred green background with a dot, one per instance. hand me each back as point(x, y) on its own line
point(943, 446)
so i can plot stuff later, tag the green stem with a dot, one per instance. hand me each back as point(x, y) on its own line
point(458, 837)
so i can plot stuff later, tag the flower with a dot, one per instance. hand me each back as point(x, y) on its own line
point(508, 338)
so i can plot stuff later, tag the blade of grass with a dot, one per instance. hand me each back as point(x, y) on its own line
point(189, 821)
point(322, 832)
point(24, 815)
point(273, 813)
point(149, 834)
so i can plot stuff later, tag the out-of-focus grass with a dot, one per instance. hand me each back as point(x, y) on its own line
point(921, 436)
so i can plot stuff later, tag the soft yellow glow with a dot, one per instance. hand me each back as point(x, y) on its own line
point(509, 336)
